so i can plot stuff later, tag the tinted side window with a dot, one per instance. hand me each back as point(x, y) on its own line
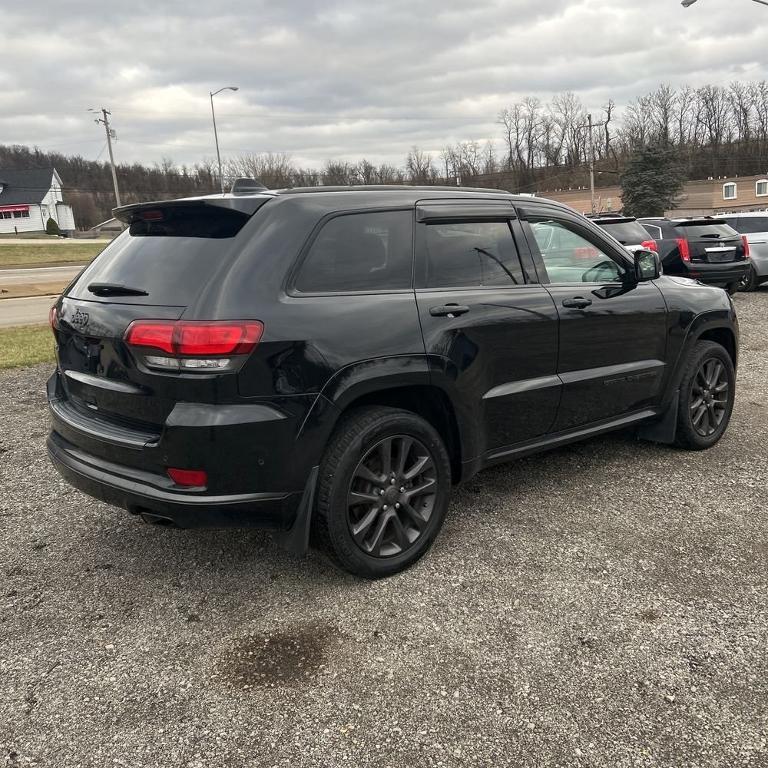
point(360, 252)
point(569, 257)
point(467, 254)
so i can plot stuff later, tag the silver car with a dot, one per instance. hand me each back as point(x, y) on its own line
point(754, 226)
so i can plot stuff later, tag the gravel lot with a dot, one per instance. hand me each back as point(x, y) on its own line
point(604, 605)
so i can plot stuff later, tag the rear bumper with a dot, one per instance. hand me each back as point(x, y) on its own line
point(717, 274)
point(139, 493)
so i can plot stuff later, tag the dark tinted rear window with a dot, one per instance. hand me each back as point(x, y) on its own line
point(706, 231)
point(626, 232)
point(749, 225)
point(171, 258)
point(360, 252)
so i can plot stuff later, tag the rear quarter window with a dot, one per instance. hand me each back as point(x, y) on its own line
point(359, 253)
point(653, 230)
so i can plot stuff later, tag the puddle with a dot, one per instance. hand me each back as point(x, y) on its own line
point(280, 658)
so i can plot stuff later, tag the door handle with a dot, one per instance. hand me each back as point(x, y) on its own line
point(448, 310)
point(577, 302)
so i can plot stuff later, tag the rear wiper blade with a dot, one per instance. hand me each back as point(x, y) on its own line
point(115, 289)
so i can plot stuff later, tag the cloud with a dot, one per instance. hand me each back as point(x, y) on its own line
point(342, 78)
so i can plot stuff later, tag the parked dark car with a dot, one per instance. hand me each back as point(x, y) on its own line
point(627, 230)
point(328, 362)
point(705, 249)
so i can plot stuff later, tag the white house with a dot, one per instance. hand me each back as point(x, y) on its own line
point(29, 198)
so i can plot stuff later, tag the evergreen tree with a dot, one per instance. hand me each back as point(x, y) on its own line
point(651, 182)
point(52, 228)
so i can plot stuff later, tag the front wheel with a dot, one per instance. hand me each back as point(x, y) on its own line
point(707, 391)
point(383, 491)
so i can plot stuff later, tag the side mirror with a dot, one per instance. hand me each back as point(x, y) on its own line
point(647, 265)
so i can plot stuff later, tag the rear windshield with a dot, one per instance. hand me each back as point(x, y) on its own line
point(749, 225)
point(707, 231)
point(626, 232)
point(170, 257)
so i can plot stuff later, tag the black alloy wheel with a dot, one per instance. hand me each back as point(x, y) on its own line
point(710, 397)
point(391, 496)
point(383, 491)
point(707, 391)
point(749, 280)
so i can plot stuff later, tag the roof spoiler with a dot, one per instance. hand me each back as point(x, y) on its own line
point(245, 205)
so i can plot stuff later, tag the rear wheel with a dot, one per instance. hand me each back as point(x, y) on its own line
point(707, 392)
point(732, 288)
point(383, 491)
point(749, 281)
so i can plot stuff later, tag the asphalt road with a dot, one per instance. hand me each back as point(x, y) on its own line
point(38, 274)
point(604, 605)
point(63, 241)
point(31, 310)
point(27, 311)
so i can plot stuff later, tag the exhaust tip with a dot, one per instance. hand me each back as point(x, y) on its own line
point(153, 519)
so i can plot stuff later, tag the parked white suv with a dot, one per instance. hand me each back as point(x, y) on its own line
point(754, 226)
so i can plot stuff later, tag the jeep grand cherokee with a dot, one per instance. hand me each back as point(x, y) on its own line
point(328, 362)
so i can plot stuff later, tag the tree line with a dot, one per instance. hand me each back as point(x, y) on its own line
point(541, 146)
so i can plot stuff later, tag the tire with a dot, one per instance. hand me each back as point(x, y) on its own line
point(705, 408)
point(355, 494)
point(733, 288)
point(749, 282)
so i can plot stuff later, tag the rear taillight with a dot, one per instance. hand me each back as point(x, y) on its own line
point(189, 478)
point(746, 246)
point(53, 318)
point(191, 345)
point(685, 249)
point(650, 245)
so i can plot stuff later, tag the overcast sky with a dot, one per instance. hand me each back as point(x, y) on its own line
point(342, 79)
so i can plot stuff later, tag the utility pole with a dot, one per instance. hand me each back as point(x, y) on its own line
point(106, 114)
point(591, 162)
point(590, 126)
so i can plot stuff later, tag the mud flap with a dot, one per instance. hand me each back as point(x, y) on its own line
point(296, 539)
point(665, 429)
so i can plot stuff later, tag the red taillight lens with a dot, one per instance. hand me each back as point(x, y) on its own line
point(746, 246)
point(650, 245)
point(211, 339)
point(158, 335)
point(53, 318)
point(190, 478)
point(196, 339)
point(685, 249)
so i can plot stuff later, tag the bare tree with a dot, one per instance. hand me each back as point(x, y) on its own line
point(419, 166)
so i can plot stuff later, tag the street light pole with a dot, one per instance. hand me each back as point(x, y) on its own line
point(216, 133)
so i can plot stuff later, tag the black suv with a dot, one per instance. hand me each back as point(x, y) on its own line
point(705, 249)
point(328, 362)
